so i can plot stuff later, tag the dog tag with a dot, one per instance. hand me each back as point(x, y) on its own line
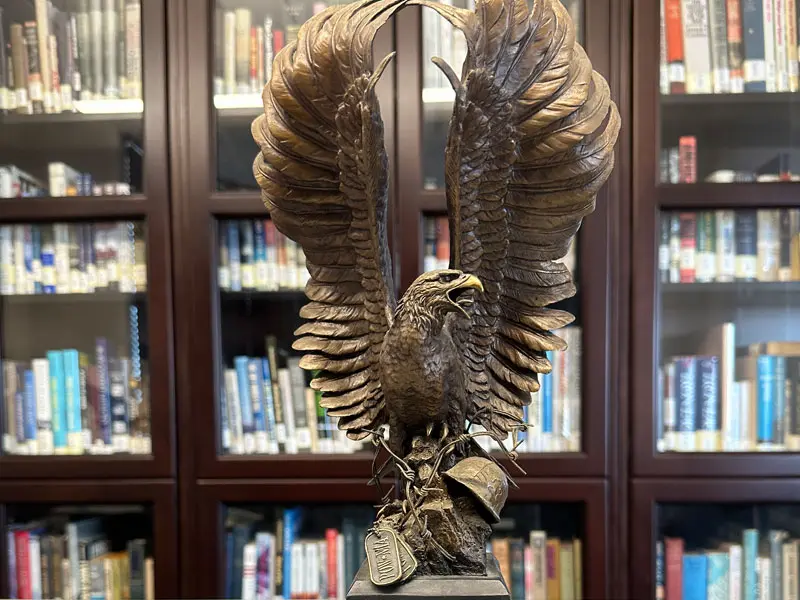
point(383, 557)
point(408, 563)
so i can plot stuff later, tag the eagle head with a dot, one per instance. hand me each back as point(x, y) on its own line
point(440, 292)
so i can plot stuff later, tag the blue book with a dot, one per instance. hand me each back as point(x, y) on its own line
point(779, 422)
point(48, 258)
point(686, 401)
point(103, 391)
point(546, 391)
point(29, 403)
point(240, 365)
point(234, 256)
point(58, 399)
point(256, 395)
point(755, 65)
point(72, 385)
point(695, 577)
point(292, 520)
point(229, 564)
point(765, 399)
point(718, 567)
point(750, 552)
point(260, 253)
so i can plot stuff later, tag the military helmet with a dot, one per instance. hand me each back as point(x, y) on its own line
point(485, 480)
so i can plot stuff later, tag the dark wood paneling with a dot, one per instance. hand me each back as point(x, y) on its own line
point(159, 494)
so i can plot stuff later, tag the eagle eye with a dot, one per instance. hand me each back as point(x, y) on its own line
point(448, 277)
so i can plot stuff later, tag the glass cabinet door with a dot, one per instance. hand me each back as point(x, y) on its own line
point(728, 83)
point(73, 336)
point(729, 294)
point(71, 109)
point(247, 36)
point(441, 39)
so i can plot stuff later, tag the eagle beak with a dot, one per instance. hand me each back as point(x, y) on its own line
point(471, 282)
point(459, 295)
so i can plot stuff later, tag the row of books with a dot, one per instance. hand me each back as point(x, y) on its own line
point(729, 46)
point(717, 401)
point(73, 258)
point(554, 415)
point(729, 245)
point(678, 164)
point(63, 181)
point(747, 568)
point(267, 409)
point(57, 57)
point(64, 404)
point(279, 559)
point(55, 558)
point(245, 48)
point(541, 566)
point(436, 245)
point(255, 256)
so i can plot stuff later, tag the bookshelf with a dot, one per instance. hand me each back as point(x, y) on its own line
point(712, 155)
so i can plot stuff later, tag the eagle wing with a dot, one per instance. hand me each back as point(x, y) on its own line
point(530, 144)
point(322, 168)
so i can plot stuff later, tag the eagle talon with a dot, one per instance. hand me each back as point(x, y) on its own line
point(429, 429)
point(445, 432)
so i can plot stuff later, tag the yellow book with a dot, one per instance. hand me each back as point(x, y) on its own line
point(502, 552)
point(577, 568)
point(149, 579)
point(566, 576)
point(553, 569)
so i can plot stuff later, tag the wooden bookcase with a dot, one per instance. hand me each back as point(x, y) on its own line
point(724, 126)
point(148, 480)
point(187, 482)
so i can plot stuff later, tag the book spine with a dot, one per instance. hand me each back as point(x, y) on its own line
point(746, 228)
point(35, 85)
point(44, 408)
point(5, 91)
point(118, 391)
point(133, 48)
point(43, 43)
point(121, 40)
point(765, 395)
point(791, 45)
point(781, 50)
point(96, 47)
point(735, 47)
point(755, 65)
point(721, 79)
point(104, 397)
point(697, 45)
point(19, 61)
point(110, 26)
point(770, 56)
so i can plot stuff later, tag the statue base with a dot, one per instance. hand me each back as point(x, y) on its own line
point(434, 587)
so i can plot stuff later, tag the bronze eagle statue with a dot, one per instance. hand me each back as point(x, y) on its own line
point(530, 143)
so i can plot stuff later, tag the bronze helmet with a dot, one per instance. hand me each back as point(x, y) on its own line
point(485, 480)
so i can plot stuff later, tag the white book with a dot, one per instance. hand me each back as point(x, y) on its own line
point(790, 571)
point(663, 64)
point(312, 569)
point(534, 434)
point(721, 75)
point(697, 46)
point(735, 572)
point(538, 543)
point(341, 586)
point(234, 412)
point(746, 426)
point(249, 572)
point(229, 52)
point(781, 50)
point(297, 576)
point(726, 245)
point(764, 575)
point(770, 61)
point(61, 238)
point(285, 385)
point(35, 573)
point(44, 409)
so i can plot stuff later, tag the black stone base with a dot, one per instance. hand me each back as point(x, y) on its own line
point(433, 587)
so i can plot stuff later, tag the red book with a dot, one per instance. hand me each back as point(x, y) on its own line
point(277, 40)
point(21, 543)
point(331, 536)
point(687, 159)
point(688, 241)
point(674, 24)
point(673, 550)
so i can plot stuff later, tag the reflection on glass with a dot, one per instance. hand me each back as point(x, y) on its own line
point(70, 98)
point(728, 77)
point(727, 551)
point(439, 38)
point(74, 368)
point(729, 376)
point(43, 543)
point(247, 36)
point(554, 414)
point(266, 405)
point(539, 549)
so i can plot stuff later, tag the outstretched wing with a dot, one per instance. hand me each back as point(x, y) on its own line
point(530, 144)
point(323, 173)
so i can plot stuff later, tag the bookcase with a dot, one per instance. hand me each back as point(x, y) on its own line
point(714, 328)
point(149, 183)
